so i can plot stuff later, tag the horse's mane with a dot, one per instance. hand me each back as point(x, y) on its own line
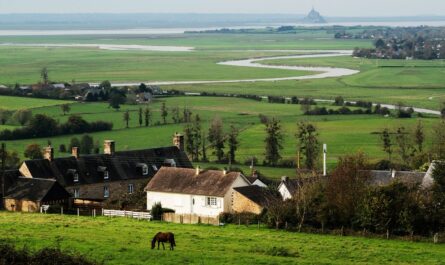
point(155, 237)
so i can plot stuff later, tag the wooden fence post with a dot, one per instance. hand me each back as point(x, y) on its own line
point(61, 210)
point(78, 212)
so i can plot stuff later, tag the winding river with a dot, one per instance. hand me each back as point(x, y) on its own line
point(313, 72)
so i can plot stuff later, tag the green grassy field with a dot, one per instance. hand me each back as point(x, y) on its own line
point(344, 134)
point(420, 86)
point(125, 241)
point(15, 103)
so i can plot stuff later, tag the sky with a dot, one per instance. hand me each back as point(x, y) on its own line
point(345, 8)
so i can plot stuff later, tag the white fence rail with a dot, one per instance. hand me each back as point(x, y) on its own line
point(130, 214)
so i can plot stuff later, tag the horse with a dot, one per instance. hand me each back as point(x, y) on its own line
point(164, 237)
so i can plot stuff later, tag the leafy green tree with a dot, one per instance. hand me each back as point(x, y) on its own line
point(43, 126)
point(274, 141)
point(147, 116)
point(387, 144)
point(127, 118)
point(216, 137)
point(140, 117)
point(197, 135)
point(22, 116)
point(33, 151)
point(74, 142)
point(233, 143)
point(5, 115)
point(44, 74)
point(419, 136)
point(164, 112)
point(308, 144)
point(116, 100)
point(438, 147)
point(66, 108)
point(404, 145)
point(62, 148)
point(86, 144)
point(175, 115)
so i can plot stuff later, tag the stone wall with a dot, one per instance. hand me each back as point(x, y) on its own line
point(242, 204)
point(22, 206)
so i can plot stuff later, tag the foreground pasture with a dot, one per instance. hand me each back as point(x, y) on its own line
point(125, 241)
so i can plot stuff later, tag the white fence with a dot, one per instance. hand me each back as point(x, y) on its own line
point(131, 214)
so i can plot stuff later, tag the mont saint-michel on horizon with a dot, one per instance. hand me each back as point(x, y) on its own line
point(314, 17)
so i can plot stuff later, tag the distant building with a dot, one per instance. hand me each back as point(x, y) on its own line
point(314, 17)
point(195, 191)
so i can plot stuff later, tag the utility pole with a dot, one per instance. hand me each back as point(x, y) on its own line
point(3, 159)
point(325, 150)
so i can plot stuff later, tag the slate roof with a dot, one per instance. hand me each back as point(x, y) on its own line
point(186, 181)
point(10, 177)
point(293, 184)
point(123, 165)
point(36, 190)
point(258, 195)
point(385, 177)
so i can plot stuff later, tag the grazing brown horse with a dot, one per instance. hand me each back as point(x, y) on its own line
point(164, 237)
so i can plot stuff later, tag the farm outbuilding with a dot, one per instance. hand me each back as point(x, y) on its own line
point(29, 194)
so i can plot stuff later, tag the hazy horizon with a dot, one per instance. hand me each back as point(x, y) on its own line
point(331, 8)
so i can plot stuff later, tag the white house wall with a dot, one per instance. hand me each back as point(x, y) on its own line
point(285, 194)
point(183, 203)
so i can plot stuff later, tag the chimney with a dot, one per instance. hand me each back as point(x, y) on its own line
point(198, 170)
point(48, 153)
point(109, 147)
point(284, 179)
point(224, 171)
point(75, 152)
point(178, 141)
point(255, 174)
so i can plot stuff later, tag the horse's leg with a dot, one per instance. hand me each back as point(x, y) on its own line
point(159, 243)
point(163, 245)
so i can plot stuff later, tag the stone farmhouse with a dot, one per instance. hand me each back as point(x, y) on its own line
point(105, 179)
point(206, 193)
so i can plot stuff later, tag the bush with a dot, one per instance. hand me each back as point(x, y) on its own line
point(47, 256)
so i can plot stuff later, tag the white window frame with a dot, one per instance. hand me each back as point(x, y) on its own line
point(76, 177)
point(76, 193)
point(212, 202)
point(144, 170)
point(106, 174)
point(130, 188)
point(106, 192)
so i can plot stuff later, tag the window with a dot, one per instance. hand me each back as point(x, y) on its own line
point(76, 193)
point(76, 177)
point(212, 201)
point(106, 175)
point(144, 170)
point(106, 192)
point(130, 188)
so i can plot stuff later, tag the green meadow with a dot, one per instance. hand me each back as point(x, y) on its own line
point(415, 83)
point(344, 134)
point(126, 241)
